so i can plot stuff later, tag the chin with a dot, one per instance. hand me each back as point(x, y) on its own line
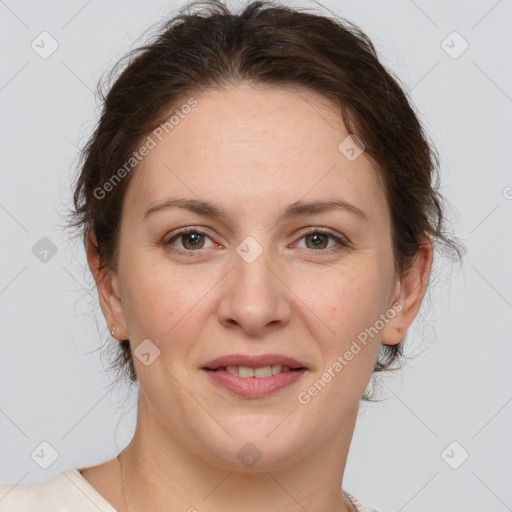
point(252, 449)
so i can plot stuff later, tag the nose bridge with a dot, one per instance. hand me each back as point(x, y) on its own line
point(251, 267)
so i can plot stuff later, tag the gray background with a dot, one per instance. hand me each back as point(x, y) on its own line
point(53, 386)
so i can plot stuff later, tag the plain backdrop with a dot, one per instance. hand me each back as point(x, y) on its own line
point(440, 439)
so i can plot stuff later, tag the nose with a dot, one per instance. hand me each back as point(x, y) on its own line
point(255, 297)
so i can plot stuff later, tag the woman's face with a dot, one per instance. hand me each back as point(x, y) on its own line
point(252, 281)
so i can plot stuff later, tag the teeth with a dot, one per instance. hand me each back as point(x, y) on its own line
point(244, 371)
point(262, 371)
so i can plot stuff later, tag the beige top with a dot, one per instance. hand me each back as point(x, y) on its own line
point(69, 491)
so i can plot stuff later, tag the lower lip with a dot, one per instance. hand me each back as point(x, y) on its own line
point(255, 387)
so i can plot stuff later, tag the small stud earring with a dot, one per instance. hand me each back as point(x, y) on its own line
point(113, 331)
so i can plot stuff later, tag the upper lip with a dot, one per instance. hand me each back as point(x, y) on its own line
point(253, 361)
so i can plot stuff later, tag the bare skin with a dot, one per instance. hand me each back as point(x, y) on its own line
point(253, 152)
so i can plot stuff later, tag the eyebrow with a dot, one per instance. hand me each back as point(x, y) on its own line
point(296, 209)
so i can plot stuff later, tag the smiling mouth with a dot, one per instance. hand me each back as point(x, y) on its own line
point(255, 383)
point(259, 372)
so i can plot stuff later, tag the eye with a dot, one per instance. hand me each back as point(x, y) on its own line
point(191, 239)
point(317, 239)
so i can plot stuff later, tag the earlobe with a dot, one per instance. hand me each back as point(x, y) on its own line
point(409, 294)
point(394, 332)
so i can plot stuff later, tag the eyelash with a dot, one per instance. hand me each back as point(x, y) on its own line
point(342, 242)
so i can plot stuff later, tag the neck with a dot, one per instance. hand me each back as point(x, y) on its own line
point(159, 470)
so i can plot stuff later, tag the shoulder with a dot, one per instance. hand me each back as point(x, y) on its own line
point(65, 489)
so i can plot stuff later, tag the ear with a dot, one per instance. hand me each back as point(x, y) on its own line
point(107, 283)
point(409, 294)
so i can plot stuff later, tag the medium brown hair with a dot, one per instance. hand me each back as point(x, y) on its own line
point(207, 46)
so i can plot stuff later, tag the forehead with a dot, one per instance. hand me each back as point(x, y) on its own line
point(247, 145)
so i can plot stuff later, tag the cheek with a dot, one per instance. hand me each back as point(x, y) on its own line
point(162, 304)
point(349, 305)
point(151, 301)
point(346, 301)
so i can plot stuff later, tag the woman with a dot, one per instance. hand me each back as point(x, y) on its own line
point(259, 214)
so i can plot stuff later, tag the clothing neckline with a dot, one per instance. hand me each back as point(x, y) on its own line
point(354, 501)
point(77, 478)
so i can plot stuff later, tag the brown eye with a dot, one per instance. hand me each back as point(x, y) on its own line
point(191, 239)
point(318, 240)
